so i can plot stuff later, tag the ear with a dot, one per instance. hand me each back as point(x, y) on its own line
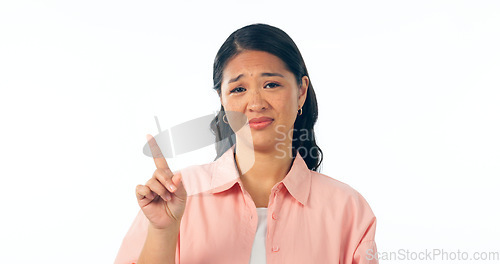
point(303, 91)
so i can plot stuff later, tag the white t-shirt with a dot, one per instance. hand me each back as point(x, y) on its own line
point(259, 244)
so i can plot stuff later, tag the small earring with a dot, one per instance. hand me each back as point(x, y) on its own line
point(224, 118)
point(300, 111)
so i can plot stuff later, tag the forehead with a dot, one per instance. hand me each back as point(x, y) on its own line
point(254, 62)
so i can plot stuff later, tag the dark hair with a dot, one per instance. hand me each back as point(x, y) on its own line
point(263, 37)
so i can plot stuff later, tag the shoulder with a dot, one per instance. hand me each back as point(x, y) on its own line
point(326, 185)
point(343, 205)
point(342, 195)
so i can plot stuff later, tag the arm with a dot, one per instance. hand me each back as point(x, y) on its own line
point(160, 245)
point(133, 241)
point(366, 250)
point(163, 201)
point(153, 238)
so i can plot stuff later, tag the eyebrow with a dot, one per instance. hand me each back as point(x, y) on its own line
point(262, 74)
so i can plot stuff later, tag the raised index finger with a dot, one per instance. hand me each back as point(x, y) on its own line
point(158, 157)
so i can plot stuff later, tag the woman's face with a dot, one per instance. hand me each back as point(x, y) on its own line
point(256, 84)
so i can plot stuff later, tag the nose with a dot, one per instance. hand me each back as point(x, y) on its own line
point(257, 103)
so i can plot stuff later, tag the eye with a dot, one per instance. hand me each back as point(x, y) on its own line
point(238, 90)
point(273, 85)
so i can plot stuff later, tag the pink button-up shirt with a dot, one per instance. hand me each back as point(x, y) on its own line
point(312, 218)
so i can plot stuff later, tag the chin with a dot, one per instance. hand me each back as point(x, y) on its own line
point(261, 141)
point(265, 145)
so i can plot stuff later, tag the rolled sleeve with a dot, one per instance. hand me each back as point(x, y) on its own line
point(133, 241)
point(366, 251)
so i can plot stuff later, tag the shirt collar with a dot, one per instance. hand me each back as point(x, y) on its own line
point(297, 181)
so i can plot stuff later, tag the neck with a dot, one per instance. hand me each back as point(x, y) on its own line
point(261, 169)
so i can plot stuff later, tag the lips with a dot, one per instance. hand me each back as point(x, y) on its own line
point(260, 122)
point(260, 119)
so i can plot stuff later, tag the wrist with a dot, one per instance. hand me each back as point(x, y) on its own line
point(167, 229)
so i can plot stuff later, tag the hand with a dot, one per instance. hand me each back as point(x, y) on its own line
point(160, 203)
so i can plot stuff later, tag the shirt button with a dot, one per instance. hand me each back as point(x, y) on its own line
point(274, 216)
point(276, 249)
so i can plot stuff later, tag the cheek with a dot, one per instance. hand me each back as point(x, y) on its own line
point(233, 105)
point(287, 114)
point(287, 104)
point(227, 101)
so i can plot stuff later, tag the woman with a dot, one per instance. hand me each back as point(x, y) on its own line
point(262, 199)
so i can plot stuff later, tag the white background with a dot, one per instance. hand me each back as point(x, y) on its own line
point(408, 96)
